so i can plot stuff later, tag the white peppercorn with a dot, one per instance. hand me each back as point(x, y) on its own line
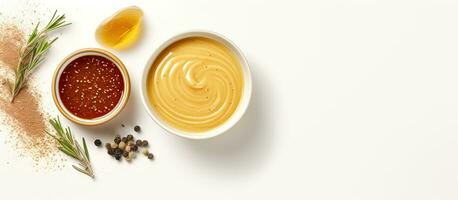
point(122, 145)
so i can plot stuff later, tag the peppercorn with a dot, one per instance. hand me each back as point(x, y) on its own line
point(130, 137)
point(124, 139)
point(127, 148)
point(122, 145)
point(150, 156)
point(137, 128)
point(110, 151)
point(145, 152)
point(132, 155)
point(117, 139)
point(122, 125)
point(114, 145)
point(144, 143)
point(138, 143)
point(118, 153)
point(134, 148)
point(97, 142)
point(125, 154)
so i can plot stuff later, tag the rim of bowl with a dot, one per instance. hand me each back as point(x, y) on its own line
point(244, 100)
point(110, 115)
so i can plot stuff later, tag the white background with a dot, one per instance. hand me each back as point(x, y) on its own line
point(352, 99)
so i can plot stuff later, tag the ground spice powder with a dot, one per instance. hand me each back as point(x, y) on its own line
point(10, 42)
point(24, 117)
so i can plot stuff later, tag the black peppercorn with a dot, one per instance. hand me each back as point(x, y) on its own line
point(124, 139)
point(117, 139)
point(144, 143)
point(134, 148)
point(108, 145)
point(125, 154)
point(110, 151)
point(118, 153)
point(130, 137)
point(150, 156)
point(138, 143)
point(97, 142)
point(122, 125)
point(137, 128)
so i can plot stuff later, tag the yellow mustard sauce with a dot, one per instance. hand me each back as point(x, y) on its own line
point(195, 84)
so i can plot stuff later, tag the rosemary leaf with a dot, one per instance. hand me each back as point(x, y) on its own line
point(71, 147)
point(71, 154)
point(32, 54)
point(82, 170)
point(86, 152)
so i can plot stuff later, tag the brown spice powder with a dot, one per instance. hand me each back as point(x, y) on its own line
point(24, 115)
point(25, 111)
point(11, 41)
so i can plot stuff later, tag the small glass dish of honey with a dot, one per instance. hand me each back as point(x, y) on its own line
point(121, 30)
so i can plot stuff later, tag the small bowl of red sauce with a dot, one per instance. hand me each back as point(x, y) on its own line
point(90, 86)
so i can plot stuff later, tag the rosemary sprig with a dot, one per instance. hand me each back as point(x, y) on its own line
point(32, 54)
point(71, 147)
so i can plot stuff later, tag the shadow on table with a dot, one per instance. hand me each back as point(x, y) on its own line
point(246, 146)
point(242, 150)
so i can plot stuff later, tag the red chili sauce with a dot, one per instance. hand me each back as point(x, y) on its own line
point(91, 86)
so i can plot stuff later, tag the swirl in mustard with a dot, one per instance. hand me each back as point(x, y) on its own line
point(195, 84)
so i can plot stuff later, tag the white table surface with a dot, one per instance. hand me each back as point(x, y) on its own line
point(352, 100)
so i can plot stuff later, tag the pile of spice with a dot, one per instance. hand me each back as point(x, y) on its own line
point(24, 118)
point(126, 147)
point(20, 104)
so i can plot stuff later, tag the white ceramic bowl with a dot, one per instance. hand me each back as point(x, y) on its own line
point(244, 101)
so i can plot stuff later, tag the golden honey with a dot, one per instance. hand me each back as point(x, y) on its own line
point(122, 29)
point(195, 84)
